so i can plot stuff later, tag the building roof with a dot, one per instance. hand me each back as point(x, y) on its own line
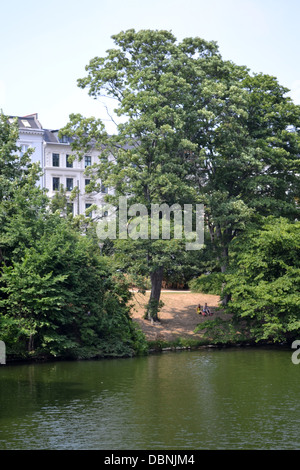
point(27, 122)
point(50, 136)
point(30, 122)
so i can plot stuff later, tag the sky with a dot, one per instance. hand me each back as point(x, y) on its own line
point(45, 46)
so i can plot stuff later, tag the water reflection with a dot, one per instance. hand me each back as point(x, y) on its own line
point(229, 399)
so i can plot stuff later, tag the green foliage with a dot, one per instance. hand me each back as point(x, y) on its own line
point(265, 283)
point(63, 292)
point(58, 296)
point(177, 344)
point(222, 331)
point(208, 283)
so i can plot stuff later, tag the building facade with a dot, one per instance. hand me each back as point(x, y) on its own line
point(31, 135)
point(59, 169)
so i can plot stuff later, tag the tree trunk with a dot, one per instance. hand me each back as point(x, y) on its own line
point(221, 239)
point(31, 342)
point(156, 283)
point(224, 265)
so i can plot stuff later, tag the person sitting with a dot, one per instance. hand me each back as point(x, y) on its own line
point(198, 310)
point(206, 310)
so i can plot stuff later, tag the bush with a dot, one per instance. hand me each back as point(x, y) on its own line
point(265, 283)
point(208, 284)
point(62, 299)
point(219, 331)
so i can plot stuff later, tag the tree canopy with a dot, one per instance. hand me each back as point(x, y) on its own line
point(196, 129)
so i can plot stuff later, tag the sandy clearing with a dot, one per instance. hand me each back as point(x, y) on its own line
point(178, 317)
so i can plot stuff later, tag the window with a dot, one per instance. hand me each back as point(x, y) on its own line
point(55, 159)
point(103, 189)
point(64, 139)
point(87, 161)
point(69, 164)
point(87, 207)
point(69, 184)
point(23, 149)
point(25, 123)
point(55, 184)
point(87, 182)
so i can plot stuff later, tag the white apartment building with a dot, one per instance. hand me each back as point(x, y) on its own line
point(31, 135)
point(53, 154)
point(59, 170)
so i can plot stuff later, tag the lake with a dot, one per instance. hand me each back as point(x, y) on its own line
point(237, 398)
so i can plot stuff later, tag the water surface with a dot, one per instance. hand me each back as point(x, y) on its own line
point(211, 399)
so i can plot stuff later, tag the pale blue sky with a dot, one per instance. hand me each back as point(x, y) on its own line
point(46, 45)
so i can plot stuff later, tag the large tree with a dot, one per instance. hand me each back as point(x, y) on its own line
point(150, 164)
point(247, 160)
point(197, 129)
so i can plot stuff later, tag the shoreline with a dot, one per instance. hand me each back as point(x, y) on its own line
point(156, 349)
point(173, 332)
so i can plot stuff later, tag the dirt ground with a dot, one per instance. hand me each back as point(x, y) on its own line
point(178, 317)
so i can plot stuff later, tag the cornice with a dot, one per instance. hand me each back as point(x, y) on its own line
point(31, 132)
